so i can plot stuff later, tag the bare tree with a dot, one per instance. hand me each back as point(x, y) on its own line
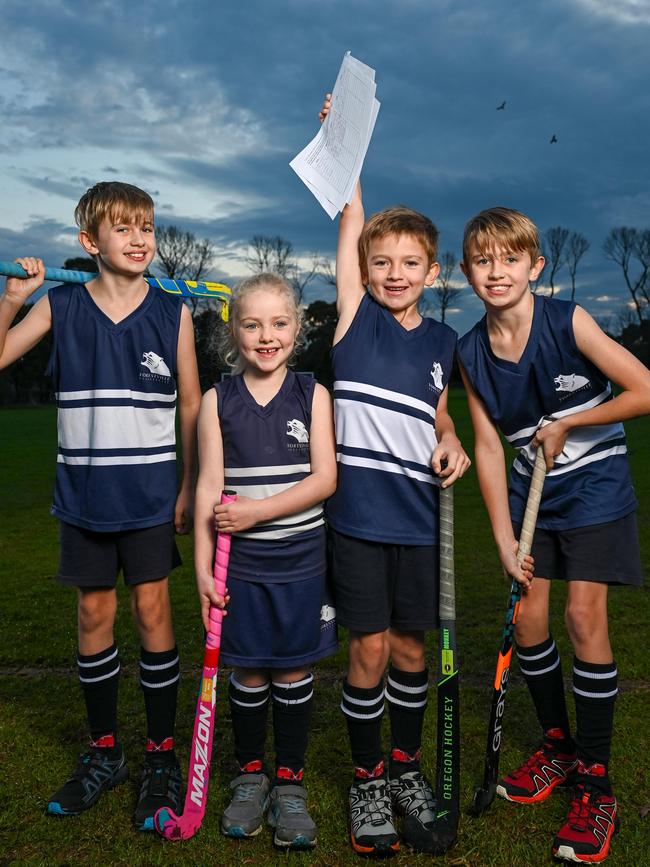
point(184, 256)
point(577, 246)
point(556, 239)
point(444, 292)
point(328, 272)
point(623, 245)
point(275, 253)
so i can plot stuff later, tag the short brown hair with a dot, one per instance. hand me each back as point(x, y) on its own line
point(115, 200)
point(398, 220)
point(503, 227)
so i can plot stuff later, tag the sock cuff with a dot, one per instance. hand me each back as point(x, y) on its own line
point(294, 693)
point(595, 680)
point(408, 689)
point(98, 667)
point(158, 670)
point(151, 659)
point(362, 704)
point(539, 659)
point(247, 698)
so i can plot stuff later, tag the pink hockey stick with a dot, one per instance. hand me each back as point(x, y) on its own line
point(168, 824)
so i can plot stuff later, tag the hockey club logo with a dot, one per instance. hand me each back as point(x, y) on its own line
point(436, 375)
point(570, 382)
point(297, 430)
point(327, 614)
point(155, 364)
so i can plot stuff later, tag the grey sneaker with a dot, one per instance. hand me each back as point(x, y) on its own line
point(244, 814)
point(413, 799)
point(294, 827)
point(372, 831)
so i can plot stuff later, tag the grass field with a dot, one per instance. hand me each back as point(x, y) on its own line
point(42, 719)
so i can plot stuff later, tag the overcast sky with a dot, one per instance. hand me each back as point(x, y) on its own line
point(204, 103)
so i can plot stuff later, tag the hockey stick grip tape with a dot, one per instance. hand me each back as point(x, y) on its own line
point(532, 506)
point(446, 521)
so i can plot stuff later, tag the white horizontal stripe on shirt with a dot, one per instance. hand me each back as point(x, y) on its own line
point(581, 462)
point(377, 429)
point(561, 413)
point(108, 393)
point(114, 460)
point(386, 467)
point(281, 533)
point(385, 394)
point(281, 470)
point(115, 427)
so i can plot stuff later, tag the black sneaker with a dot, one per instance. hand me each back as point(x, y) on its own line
point(160, 786)
point(97, 771)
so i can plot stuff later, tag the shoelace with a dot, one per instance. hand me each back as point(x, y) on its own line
point(244, 792)
point(292, 804)
point(157, 780)
point(91, 759)
point(579, 811)
point(533, 761)
point(379, 795)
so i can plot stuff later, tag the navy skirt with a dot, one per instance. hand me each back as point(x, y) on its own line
point(278, 624)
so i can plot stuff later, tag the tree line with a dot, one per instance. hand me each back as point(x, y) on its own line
point(182, 253)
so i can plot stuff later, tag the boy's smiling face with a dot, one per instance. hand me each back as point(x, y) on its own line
point(397, 270)
point(501, 277)
point(124, 247)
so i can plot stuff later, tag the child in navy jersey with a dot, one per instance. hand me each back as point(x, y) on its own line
point(267, 433)
point(538, 369)
point(122, 359)
point(393, 432)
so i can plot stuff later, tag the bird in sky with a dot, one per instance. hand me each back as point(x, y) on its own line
point(553, 139)
point(502, 106)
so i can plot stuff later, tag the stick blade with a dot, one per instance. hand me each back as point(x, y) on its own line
point(171, 827)
point(483, 797)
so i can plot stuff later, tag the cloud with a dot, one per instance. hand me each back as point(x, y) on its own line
point(622, 11)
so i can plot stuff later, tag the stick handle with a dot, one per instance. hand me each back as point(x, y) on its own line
point(447, 590)
point(59, 275)
point(532, 506)
point(221, 557)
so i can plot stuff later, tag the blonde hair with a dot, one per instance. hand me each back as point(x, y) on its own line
point(266, 281)
point(113, 199)
point(398, 220)
point(501, 227)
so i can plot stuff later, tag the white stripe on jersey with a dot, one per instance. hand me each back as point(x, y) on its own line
point(562, 413)
point(107, 393)
point(588, 459)
point(580, 441)
point(394, 396)
point(385, 466)
point(377, 429)
point(115, 427)
point(281, 533)
point(115, 460)
point(281, 470)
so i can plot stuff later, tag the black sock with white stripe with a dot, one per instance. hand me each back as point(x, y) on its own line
point(406, 694)
point(99, 676)
point(364, 709)
point(159, 676)
point(595, 687)
point(542, 670)
point(248, 710)
point(292, 704)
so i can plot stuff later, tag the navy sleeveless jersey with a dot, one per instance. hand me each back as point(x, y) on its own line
point(387, 384)
point(265, 452)
point(116, 394)
point(590, 481)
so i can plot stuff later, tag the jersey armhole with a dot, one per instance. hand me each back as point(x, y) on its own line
point(572, 337)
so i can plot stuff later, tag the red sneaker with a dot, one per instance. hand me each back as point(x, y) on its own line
point(592, 822)
point(547, 768)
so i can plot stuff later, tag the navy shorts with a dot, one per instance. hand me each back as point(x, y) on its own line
point(278, 624)
point(92, 559)
point(606, 553)
point(377, 585)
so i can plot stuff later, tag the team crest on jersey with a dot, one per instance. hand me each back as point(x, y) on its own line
point(570, 382)
point(296, 429)
point(436, 375)
point(155, 364)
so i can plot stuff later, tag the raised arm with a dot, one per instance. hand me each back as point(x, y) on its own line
point(16, 341)
point(349, 279)
point(318, 485)
point(208, 491)
point(492, 479)
point(618, 365)
point(189, 401)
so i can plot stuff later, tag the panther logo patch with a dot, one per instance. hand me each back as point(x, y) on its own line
point(570, 382)
point(296, 429)
point(155, 364)
point(327, 613)
point(436, 375)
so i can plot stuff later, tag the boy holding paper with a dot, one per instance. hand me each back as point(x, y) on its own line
point(394, 435)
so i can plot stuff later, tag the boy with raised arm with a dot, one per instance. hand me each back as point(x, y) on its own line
point(122, 359)
point(538, 370)
point(393, 432)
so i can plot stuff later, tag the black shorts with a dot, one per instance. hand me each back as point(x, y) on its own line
point(378, 585)
point(91, 559)
point(606, 553)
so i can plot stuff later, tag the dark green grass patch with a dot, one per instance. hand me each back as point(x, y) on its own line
point(42, 726)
